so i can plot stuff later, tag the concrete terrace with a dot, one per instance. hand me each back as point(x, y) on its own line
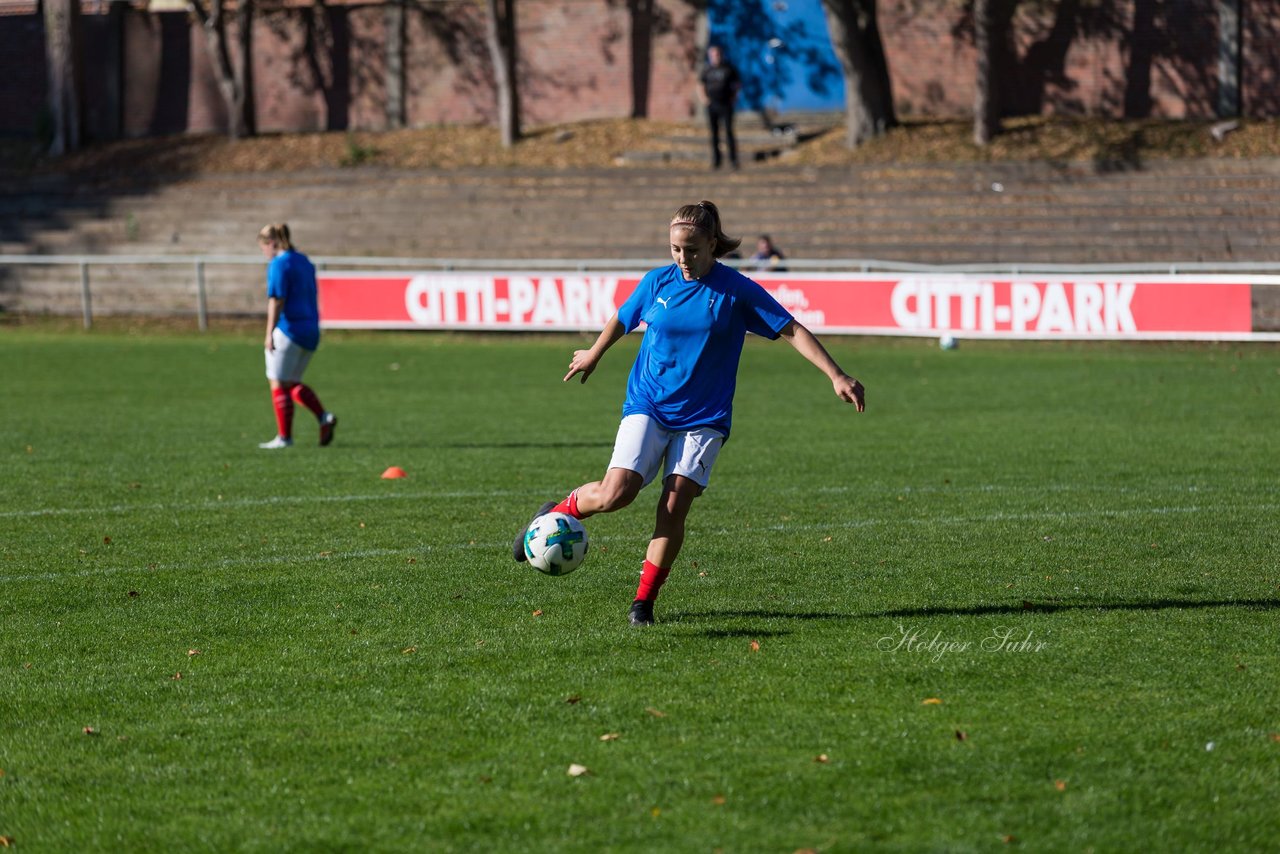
point(1164, 211)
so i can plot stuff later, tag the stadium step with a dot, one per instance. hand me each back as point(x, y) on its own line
point(1173, 211)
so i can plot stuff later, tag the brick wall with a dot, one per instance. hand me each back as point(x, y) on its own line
point(322, 68)
point(1114, 59)
point(1260, 80)
point(22, 76)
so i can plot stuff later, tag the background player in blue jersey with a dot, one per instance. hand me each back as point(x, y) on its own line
point(293, 334)
point(679, 401)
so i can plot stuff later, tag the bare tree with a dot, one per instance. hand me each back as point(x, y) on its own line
point(395, 48)
point(986, 107)
point(62, 57)
point(502, 48)
point(235, 80)
point(868, 93)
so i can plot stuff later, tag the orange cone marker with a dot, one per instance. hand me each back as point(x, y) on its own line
point(393, 472)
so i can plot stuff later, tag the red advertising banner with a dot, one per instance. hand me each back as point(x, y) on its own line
point(1058, 306)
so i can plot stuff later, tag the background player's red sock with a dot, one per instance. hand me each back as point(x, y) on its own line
point(651, 581)
point(569, 505)
point(304, 395)
point(284, 412)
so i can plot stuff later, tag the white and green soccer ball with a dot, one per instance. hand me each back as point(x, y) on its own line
point(556, 543)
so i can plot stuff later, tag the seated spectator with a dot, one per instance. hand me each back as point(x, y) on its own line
point(767, 257)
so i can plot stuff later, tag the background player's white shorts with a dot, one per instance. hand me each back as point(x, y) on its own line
point(288, 360)
point(643, 444)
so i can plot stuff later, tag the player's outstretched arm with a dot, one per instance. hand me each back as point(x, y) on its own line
point(585, 361)
point(846, 387)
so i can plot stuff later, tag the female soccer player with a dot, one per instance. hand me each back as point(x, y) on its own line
point(293, 333)
point(680, 392)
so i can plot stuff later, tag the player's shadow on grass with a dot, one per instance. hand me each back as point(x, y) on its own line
point(1029, 607)
point(518, 446)
point(1023, 607)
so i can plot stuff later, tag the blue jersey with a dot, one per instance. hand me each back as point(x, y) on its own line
point(687, 368)
point(291, 278)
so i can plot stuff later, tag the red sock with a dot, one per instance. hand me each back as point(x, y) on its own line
point(304, 395)
point(284, 412)
point(651, 581)
point(569, 505)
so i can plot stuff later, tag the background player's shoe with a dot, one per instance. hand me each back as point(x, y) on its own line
point(641, 613)
point(517, 549)
point(327, 423)
point(277, 442)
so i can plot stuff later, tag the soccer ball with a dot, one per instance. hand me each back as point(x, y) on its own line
point(556, 543)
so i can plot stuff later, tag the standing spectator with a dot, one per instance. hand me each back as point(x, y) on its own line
point(720, 85)
point(293, 334)
point(767, 257)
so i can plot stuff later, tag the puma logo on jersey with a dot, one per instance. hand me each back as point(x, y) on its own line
point(664, 302)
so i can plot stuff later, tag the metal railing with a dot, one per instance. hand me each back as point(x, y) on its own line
point(200, 263)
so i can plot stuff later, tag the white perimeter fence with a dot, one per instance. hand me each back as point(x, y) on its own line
point(234, 285)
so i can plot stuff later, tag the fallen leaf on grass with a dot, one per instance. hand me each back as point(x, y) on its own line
point(1060, 785)
point(133, 594)
point(576, 770)
point(326, 554)
point(7, 841)
point(573, 699)
point(537, 613)
point(409, 650)
point(175, 677)
point(193, 652)
point(1008, 839)
point(657, 714)
point(718, 800)
point(610, 736)
point(822, 758)
point(931, 701)
point(655, 812)
point(106, 541)
point(89, 731)
point(1275, 736)
point(961, 735)
point(755, 646)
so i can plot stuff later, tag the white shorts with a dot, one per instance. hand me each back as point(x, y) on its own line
point(288, 360)
point(643, 444)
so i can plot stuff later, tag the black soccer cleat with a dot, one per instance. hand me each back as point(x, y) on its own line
point(517, 549)
point(328, 422)
point(641, 613)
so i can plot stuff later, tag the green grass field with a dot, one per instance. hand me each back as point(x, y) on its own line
point(1028, 599)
